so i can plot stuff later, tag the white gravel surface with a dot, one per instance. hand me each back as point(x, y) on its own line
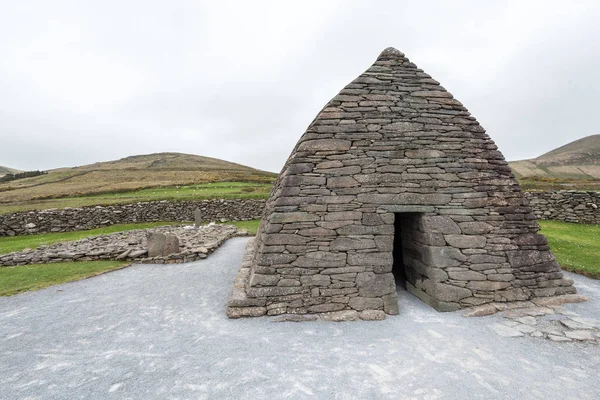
point(160, 331)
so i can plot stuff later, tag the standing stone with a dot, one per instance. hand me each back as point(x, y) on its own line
point(160, 245)
point(197, 217)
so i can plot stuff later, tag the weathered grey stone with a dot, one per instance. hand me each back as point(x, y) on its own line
point(375, 285)
point(449, 293)
point(238, 312)
point(287, 217)
point(340, 316)
point(487, 285)
point(295, 318)
point(325, 145)
point(264, 280)
point(352, 243)
point(372, 315)
point(327, 307)
point(365, 303)
point(475, 228)
point(438, 224)
point(466, 276)
point(443, 256)
point(321, 259)
point(465, 241)
point(197, 217)
point(160, 245)
point(156, 244)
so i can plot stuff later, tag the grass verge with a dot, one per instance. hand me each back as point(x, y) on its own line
point(204, 191)
point(251, 226)
point(8, 244)
point(23, 278)
point(576, 246)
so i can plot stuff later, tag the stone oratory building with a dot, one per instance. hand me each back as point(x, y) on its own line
point(394, 183)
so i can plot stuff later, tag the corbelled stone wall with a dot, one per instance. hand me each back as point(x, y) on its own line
point(394, 151)
point(73, 219)
point(566, 205)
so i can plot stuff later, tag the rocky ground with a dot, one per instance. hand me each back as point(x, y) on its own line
point(195, 244)
point(551, 322)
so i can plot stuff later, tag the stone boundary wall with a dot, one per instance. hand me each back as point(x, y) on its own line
point(569, 206)
point(74, 219)
point(566, 205)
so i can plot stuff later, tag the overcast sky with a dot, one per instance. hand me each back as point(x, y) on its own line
point(86, 81)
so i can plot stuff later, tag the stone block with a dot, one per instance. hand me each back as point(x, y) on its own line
point(316, 280)
point(371, 259)
point(448, 293)
point(343, 216)
point(442, 257)
point(239, 312)
point(465, 241)
point(340, 316)
point(352, 243)
point(288, 217)
point(321, 259)
point(338, 182)
point(263, 280)
point(375, 285)
point(488, 286)
point(365, 303)
point(284, 238)
point(325, 145)
point(405, 198)
point(438, 224)
point(522, 258)
point(327, 307)
point(390, 304)
point(267, 259)
point(475, 228)
point(160, 245)
point(372, 315)
point(466, 276)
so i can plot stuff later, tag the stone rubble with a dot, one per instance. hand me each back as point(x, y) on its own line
point(194, 244)
point(545, 318)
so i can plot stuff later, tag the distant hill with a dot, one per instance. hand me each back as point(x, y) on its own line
point(575, 161)
point(130, 173)
point(6, 170)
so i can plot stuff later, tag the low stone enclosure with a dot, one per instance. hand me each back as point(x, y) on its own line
point(394, 183)
point(141, 245)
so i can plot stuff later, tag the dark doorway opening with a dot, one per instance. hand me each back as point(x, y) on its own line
point(401, 233)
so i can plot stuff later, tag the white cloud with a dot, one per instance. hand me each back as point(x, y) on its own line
point(89, 81)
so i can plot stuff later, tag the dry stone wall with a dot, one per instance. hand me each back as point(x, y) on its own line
point(73, 219)
point(566, 205)
point(394, 151)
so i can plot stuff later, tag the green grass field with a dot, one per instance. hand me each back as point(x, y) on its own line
point(576, 246)
point(216, 190)
point(15, 280)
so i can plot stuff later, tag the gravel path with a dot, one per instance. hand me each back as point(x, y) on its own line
point(156, 331)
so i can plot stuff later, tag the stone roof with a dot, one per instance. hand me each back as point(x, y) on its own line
point(395, 151)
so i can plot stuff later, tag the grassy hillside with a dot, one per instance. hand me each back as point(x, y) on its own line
point(575, 165)
point(127, 175)
point(6, 170)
